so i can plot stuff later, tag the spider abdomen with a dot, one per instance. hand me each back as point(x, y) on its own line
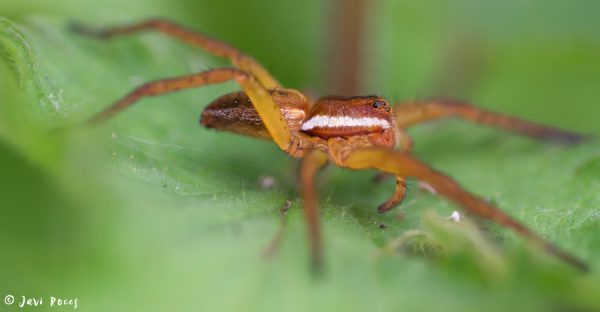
point(235, 113)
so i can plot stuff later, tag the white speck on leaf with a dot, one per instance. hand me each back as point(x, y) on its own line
point(455, 216)
point(267, 182)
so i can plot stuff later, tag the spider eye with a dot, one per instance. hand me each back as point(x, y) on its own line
point(379, 104)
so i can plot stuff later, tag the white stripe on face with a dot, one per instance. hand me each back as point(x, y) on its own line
point(344, 121)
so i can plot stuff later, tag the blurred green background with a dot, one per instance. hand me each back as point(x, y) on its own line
point(151, 212)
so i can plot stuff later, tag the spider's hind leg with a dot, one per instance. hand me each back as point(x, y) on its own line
point(263, 102)
point(200, 40)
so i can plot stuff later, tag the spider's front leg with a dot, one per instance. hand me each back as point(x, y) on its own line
point(404, 164)
point(398, 196)
point(267, 109)
point(406, 145)
point(414, 113)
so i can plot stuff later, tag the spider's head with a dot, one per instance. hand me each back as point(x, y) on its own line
point(347, 116)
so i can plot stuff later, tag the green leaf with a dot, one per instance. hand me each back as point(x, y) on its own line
point(151, 211)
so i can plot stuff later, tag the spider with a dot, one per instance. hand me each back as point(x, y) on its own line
point(359, 132)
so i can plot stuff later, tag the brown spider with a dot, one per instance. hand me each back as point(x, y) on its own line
point(353, 132)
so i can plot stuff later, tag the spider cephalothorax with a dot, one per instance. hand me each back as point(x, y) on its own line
point(351, 132)
point(347, 117)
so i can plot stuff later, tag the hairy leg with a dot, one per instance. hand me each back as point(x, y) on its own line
point(267, 109)
point(311, 163)
point(406, 165)
point(214, 46)
point(414, 113)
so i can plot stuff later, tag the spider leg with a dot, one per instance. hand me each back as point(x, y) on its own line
point(310, 165)
point(396, 198)
point(406, 145)
point(409, 114)
point(214, 46)
point(264, 104)
point(406, 165)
